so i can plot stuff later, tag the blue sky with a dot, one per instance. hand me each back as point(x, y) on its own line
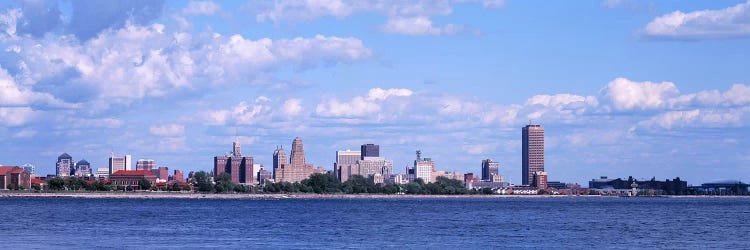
point(644, 88)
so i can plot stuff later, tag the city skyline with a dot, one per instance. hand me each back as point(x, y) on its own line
point(621, 87)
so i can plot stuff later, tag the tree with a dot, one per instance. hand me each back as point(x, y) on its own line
point(202, 181)
point(36, 187)
point(358, 184)
point(224, 183)
point(322, 183)
point(175, 187)
point(144, 184)
point(56, 183)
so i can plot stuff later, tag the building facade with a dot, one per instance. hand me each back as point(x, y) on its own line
point(490, 169)
point(369, 167)
point(178, 176)
point(130, 178)
point(297, 169)
point(239, 167)
point(117, 163)
point(82, 169)
point(540, 180)
point(344, 160)
point(145, 164)
point(532, 152)
point(65, 165)
point(13, 177)
point(423, 168)
point(29, 168)
point(370, 150)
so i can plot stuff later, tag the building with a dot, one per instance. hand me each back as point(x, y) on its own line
point(145, 164)
point(178, 176)
point(64, 166)
point(239, 167)
point(264, 176)
point(102, 173)
point(490, 169)
point(279, 158)
point(13, 177)
point(606, 185)
point(532, 152)
point(423, 168)
point(344, 159)
point(450, 175)
point(725, 187)
point(162, 173)
point(368, 167)
point(557, 185)
point(117, 163)
point(130, 178)
point(82, 169)
point(297, 169)
point(29, 168)
point(540, 180)
point(370, 150)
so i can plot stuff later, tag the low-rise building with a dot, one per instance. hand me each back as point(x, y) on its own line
point(130, 178)
point(14, 177)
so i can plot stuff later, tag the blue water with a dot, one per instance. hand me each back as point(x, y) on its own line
point(582, 223)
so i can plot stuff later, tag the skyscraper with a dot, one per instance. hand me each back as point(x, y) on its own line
point(532, 154)
point(490, 168)
point(423, 168)
point(145, 164)
point(239, 167)
point(297, 169)
point(344, 159)
point(83, 168)
point(370, 150)
point(279, 159)
point(64, 165)
point(117, 163)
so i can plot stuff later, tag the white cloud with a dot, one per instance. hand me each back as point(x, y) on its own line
point(629, 95)
point(360, 106)
point(201, 8)
point(703, 24)
point(16, 116)
point(419, 25)
point(382, 94)
point(168, 130)
point(292, 107)
point(244, 113)
point(8, 22)
point(12, 94)
point(712, 118)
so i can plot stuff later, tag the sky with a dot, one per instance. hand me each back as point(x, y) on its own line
point(622, 87)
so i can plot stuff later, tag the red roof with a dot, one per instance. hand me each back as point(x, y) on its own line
point(8, 169)
point(37, 181)
point(133, 172)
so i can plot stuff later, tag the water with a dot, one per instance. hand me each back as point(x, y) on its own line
point(54, 223)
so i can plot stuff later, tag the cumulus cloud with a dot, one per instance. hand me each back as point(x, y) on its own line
point(703, 24)
point(629, 95)
point(201, 8)
point(360, 106)
point(292, 107)
point(167, 130)
point(16, 116)
point(244, 113)
point(89, 17)
point(418, 26)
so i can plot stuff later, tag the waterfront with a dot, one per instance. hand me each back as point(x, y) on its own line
point(570, 222)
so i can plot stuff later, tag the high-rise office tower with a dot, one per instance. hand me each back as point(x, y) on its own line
point(239, 167)
point(344, 160)
point(64, 165)
point(297, 156)
point(83, 169)
point(145, 164)
point(490, 168)
point(532, 153)
point(279, 159)
point(117, 163)
point(370, 150)
point(423, 168)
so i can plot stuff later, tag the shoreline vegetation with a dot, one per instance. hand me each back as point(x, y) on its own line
point(192, 195)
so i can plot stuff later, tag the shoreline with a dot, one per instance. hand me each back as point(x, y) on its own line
point(172, 195)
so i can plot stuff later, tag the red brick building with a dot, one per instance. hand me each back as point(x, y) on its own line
point(130, 178)
point(178, 176)
point(14, 177)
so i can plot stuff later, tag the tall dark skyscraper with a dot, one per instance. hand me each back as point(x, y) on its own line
point(370, 150)
point(490, 168)
point(532, 154)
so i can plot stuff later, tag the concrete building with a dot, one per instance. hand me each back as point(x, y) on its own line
point(130, 178)
point(264, 176)
point(162, 173)
point(370, 150)
point(540, 180)
point(29, 168)
point(13, 177)
point(423, 168)
point(368, 167)
point(490, 169)
point(239, 167)
point(344, 159)
point(82, 169)
point(532, 152)
point(102, 173)
point(297, 169)
point(450, 175)
point(117, 163)
point(178, 176)
point(145, 164)
point(65, 165)
point(279, 159)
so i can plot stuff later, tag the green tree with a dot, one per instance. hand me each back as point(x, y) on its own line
point(322, 183)
point(175, 187)
point(56, 183)
point(36, 187)
point(358, 184)
point(202, 182)
point(144, 184)
point(223, 183)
